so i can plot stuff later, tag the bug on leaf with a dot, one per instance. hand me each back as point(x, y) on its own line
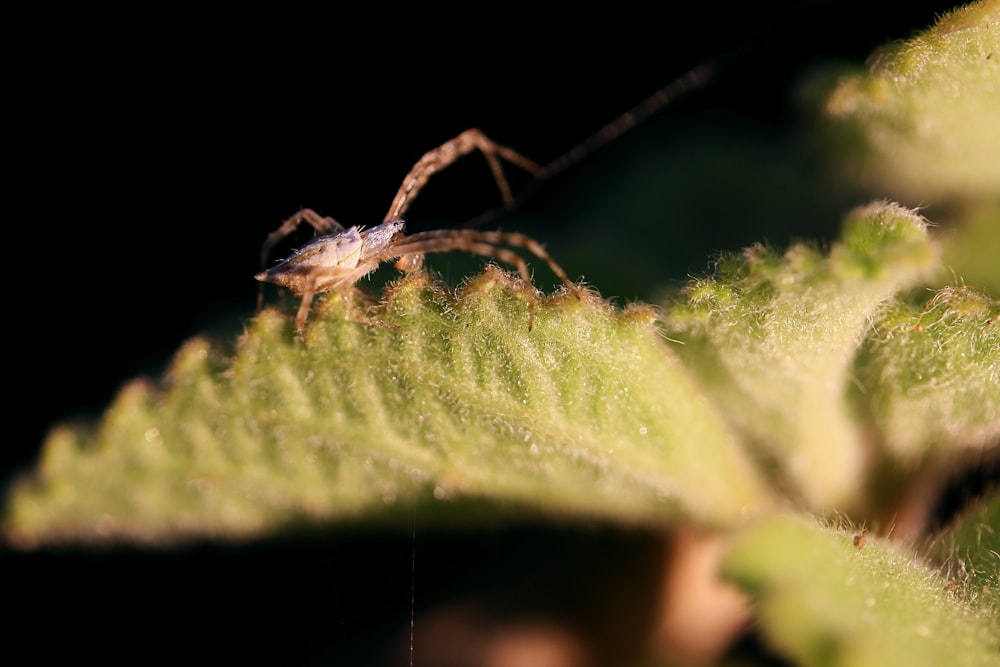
point(339, 257)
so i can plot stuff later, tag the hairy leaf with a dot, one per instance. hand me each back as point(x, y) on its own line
point(827, 598)
point(773, 337)
point(587, 414)
point(921, 121)
point(931, 374)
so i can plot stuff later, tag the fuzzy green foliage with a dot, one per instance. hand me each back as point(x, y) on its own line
point(586, 414)
point(824, 600)
point(937, 368)
point(773, 338)
point(921, 121)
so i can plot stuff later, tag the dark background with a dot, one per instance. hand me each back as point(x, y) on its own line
point(148, 157)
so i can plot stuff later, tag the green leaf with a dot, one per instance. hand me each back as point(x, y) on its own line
point(931, 374)
point(824, 600)
point(773, 337)
point(588, 414)
point(920, 123)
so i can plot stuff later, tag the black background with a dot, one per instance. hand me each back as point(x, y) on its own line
point(149, 155)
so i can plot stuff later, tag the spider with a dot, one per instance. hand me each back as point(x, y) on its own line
point(339, 257)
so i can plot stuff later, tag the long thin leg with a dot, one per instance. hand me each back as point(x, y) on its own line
point(309, 294)
point(482, 243)
point(437, 159)
point(487, 244)
point(303, 313)
point(484, 249)
point(487, 250)
point(694, 79)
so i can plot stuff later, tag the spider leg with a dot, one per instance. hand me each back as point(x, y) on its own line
point(410, 262)
point(504, 255)
point(334, 279)
point(483, 243)
point(487, 244)
point(439, 158)
point(303, 313)
point(322, 225)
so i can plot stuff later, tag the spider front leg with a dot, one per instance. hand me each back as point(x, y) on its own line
point(440, 158)
point(444, 155)
point(486, 244)
point(322, 225)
